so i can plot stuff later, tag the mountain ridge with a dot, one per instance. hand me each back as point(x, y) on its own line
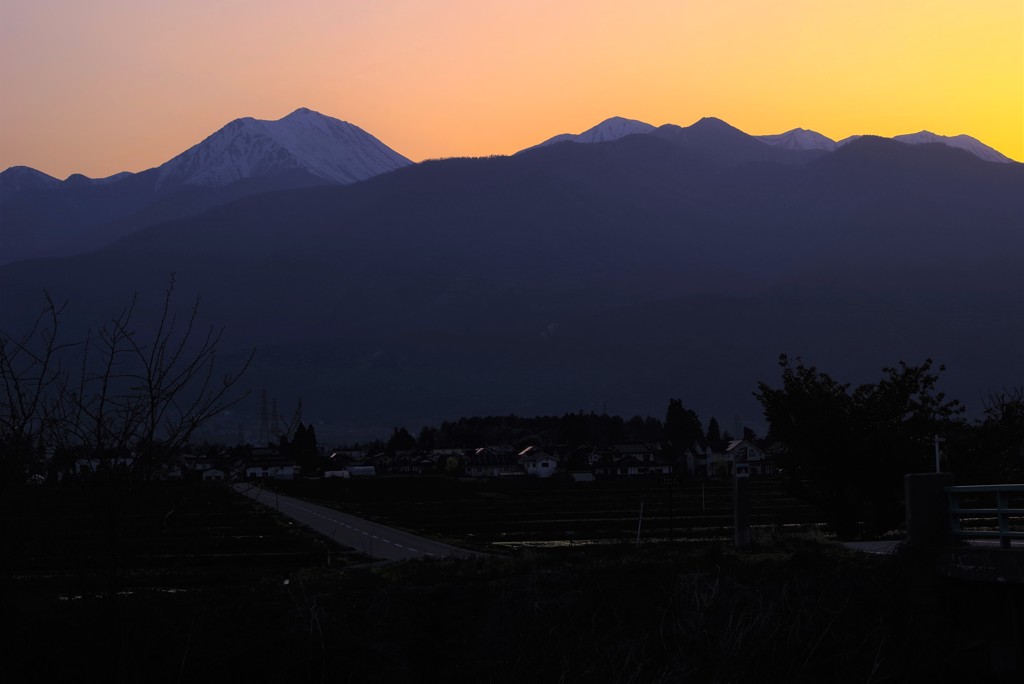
point(329, 148)
point(42, 216)
point(571, 276)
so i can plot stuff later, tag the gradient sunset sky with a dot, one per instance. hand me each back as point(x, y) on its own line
point(112, 85)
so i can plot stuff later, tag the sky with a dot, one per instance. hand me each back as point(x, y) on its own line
point(105, 86)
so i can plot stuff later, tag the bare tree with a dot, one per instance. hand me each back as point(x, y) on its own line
point(134, 397)
point(31, 377)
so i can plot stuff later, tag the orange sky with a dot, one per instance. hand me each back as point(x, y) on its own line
point(109, 85)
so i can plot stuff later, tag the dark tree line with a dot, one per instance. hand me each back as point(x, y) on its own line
point(680, 429)
point(851, 446)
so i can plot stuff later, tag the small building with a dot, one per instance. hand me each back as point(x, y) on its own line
point(273, 469)
point(629, 459)
point(740, 450)
point(361, 471)
point(487, 462)
point(537, 462)
point(214, 475)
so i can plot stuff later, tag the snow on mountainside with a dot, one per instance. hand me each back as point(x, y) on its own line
point(304, 140)
point(609, 129)
point(963, 142)
point(799, 139)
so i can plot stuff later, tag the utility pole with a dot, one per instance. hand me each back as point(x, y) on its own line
point(639, 523)
point(937, 440)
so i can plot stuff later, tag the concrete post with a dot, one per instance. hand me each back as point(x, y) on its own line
point(927, 509)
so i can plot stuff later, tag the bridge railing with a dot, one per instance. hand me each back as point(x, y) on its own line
point(972, 515)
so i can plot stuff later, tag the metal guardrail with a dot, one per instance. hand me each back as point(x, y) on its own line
point(1007, 514)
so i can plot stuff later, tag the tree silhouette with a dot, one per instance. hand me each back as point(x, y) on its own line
point(853, 447)
point(682, 427)
point(714, 436)
point(400, 440)
point(119, 396)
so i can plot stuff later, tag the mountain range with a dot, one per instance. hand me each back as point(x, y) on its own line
point(795, 139)
point(42, 216)
point(612, 275)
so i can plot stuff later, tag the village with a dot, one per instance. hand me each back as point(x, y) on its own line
point(573, 463)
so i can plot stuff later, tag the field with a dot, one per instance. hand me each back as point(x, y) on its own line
point(488, 514)
point(119, 577)
point(193, 583)
point(147, 535)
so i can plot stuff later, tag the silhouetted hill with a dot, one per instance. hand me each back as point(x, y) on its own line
point(599, 276)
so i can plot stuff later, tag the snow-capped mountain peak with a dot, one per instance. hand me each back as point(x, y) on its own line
point(963, 142)
point(800, 139)
point(328, 148)
point(609, 129)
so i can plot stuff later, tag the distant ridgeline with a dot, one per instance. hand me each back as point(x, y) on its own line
point(603, 272)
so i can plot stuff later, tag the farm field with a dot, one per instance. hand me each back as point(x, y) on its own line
point(511, 512)
point(146, 581)
point(186, 582)
point(88, 537)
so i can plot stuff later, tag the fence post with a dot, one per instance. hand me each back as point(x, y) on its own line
point(741, 502)
point(928, 524)
point(1002, 504)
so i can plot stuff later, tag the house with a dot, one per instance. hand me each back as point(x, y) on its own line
point(488, 462)
point(629, 459)
point(214, 475)
point(537, 462)
point(740, 450)
point(642, 453)
point(272, 468)
point(698, 458)
point(85, 467)
point(361, 470)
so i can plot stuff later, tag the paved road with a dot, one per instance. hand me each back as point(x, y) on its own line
point(890, 545)
point(376, 541)
point(880, 547)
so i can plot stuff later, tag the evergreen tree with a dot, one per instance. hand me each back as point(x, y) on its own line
point(714, 436)
point(303, 448)
point(400, 440)
point(682, 427)
point(427, 440)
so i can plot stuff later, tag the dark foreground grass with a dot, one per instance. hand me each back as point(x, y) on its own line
point(796, 610)
point(803, 612)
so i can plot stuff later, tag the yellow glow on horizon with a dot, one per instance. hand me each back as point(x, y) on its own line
point(117, 85)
